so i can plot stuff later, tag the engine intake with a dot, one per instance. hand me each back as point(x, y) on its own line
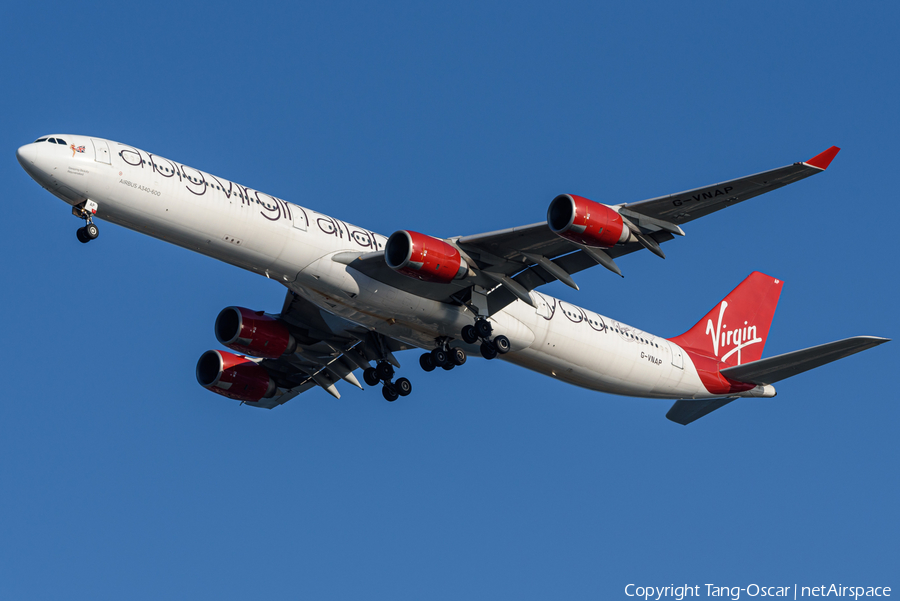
point(424, 257)
point(586, 222)
point(234, 376)
point(253, 333)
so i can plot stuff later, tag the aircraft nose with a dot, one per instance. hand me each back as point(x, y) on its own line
point(25, 155)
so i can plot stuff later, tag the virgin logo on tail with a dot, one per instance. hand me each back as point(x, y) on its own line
point(740, 337)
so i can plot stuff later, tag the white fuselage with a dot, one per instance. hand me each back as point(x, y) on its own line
point(294, 245)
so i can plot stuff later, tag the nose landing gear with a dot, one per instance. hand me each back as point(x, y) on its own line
point(87, 233)
point(86, 211)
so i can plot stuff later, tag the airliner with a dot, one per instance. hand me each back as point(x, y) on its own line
point(355, 298)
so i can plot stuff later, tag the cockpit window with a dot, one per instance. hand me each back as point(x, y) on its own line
point(40, 140)
point(60, 141)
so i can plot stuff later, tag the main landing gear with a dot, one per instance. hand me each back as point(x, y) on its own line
point(447, 357)
point(482, 330)
point(86, 211)
point(383, 372)
point(443, 356)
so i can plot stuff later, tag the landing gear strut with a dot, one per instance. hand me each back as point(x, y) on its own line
point(86, 211)
point(383, 372)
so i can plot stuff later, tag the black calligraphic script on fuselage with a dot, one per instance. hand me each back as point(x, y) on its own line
point(273, 209)
point(703, 196)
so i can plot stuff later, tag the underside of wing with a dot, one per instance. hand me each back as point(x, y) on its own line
point(327, 349)
point(505, 265)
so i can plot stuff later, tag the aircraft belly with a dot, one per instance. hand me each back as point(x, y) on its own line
point(393, 312)
point(601, 359)
point(594, 359)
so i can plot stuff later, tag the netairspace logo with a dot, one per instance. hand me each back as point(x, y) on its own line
point(678, 593)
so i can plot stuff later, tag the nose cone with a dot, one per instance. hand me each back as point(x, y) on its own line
point(25, 155)
point(29, 156)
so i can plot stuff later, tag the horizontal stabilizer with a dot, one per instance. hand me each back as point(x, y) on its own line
point(685, 412)
point(773, 369)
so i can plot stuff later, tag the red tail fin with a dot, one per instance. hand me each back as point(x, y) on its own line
point(735, 331)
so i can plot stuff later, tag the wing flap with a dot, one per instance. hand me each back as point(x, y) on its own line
point(779, 367)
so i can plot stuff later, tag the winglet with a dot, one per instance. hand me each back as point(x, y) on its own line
point(823, 159)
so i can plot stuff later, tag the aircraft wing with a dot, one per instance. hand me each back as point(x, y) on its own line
point(509, 263)
point(691, 204)
point(329, 349)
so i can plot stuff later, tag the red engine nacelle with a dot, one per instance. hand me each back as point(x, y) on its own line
point(253, 333)
point(586, 222)
point(423, 257)
point(234, 376)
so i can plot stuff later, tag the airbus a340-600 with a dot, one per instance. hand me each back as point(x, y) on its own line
point(355, 298)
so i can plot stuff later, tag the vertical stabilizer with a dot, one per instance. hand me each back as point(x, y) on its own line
point(735, 330)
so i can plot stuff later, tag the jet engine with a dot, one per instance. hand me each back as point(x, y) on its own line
point(586, 222)
point(234, 376)
point(424, 258)
point(253, 333)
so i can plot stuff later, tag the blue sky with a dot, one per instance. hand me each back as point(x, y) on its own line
point(121, 478)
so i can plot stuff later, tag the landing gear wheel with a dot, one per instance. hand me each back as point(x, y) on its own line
point(403, 386)
point(439, 356)
point(469, 335)
point(82, 236)
point(384, 371)
point(501, 343)
point(457, 356)
point(370, 376)
point(91, 231)
point(483, 328)
point(426, 362)
point(448, 366)
point(488, 351)
point(389, 393)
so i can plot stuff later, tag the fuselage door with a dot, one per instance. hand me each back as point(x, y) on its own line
point(101, 151)
point(677, 356)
